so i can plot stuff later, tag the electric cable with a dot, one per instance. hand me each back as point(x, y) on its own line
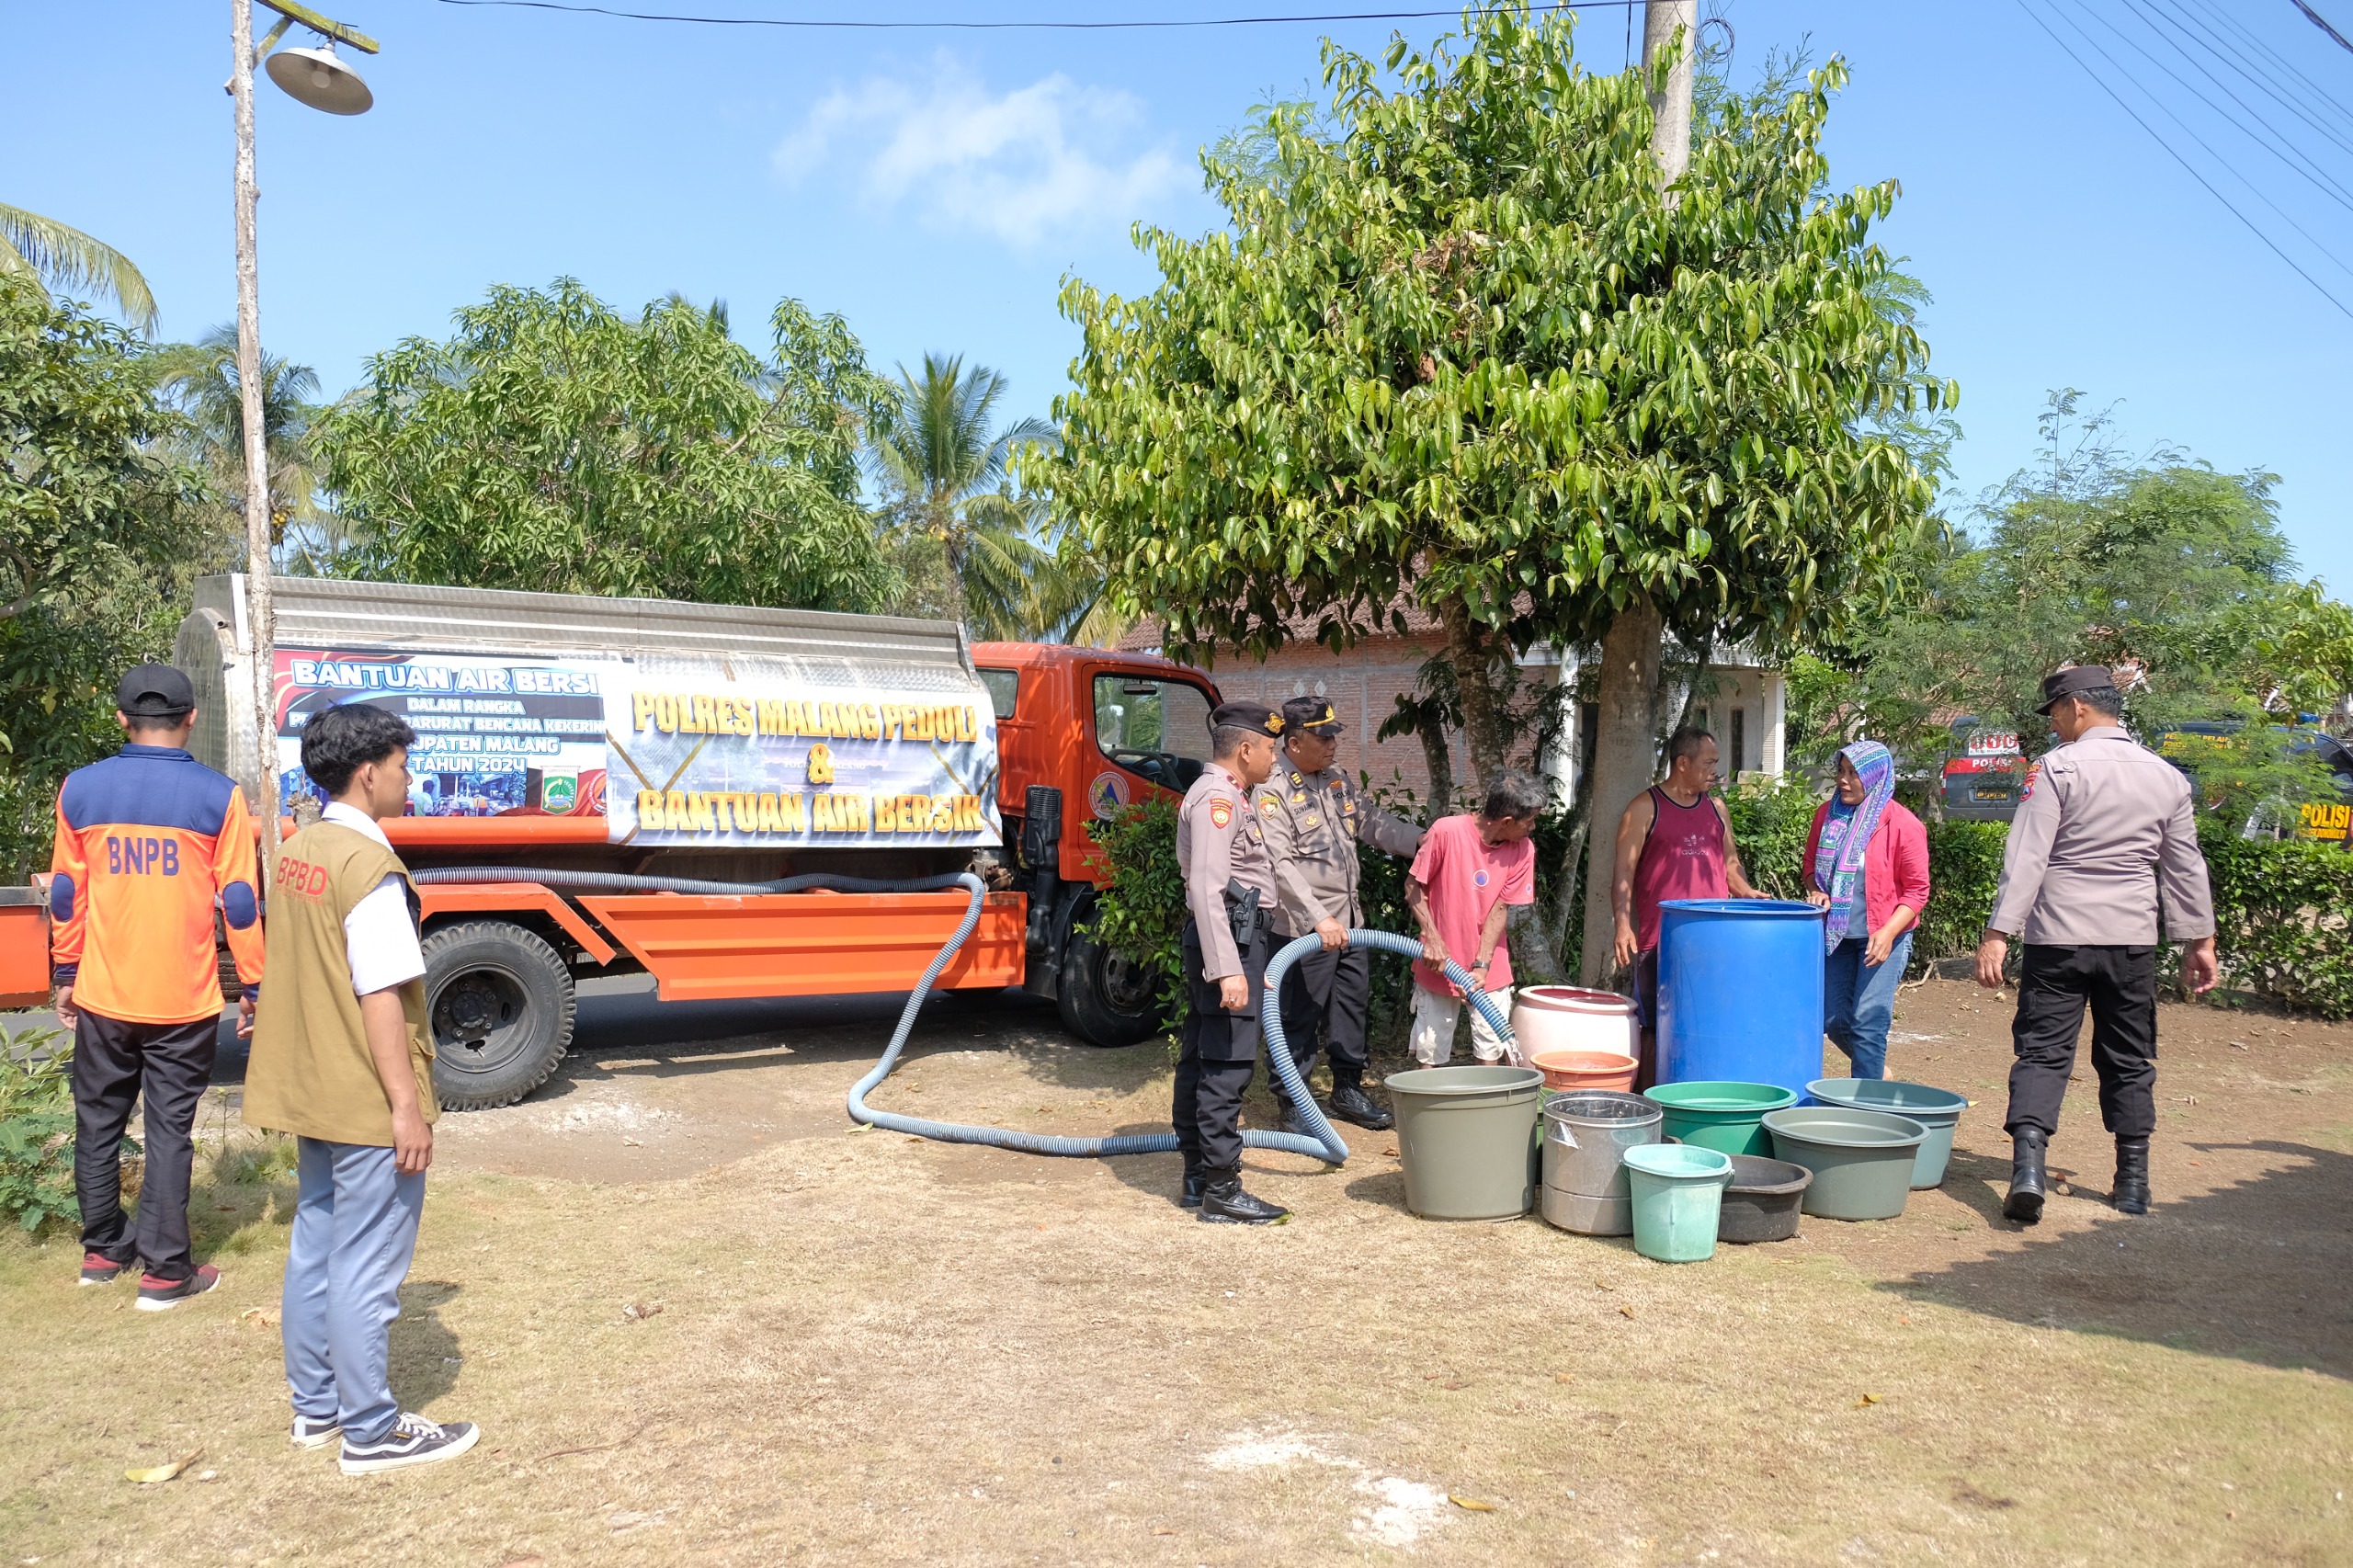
point(1152, 24)
point(2189, 27)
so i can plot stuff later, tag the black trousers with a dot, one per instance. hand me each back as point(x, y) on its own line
point(1334, 990)
point(1217, 1053)
point(115, 1065)
point(2055, 983)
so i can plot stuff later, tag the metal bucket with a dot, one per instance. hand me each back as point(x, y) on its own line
point(1587, 1134)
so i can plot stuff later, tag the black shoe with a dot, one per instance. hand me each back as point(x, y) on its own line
point(2130, 1193)
point(2025, 1202)
point(412, 1440)
point(1225, 1203)
point(1295, 1121)
point(1350, 1102)
point(1191, 1196)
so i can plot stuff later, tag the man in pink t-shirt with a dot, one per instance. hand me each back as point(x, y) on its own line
point(1470, 872)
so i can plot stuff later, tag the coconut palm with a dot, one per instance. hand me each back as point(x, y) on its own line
point(199, 380)
point(64, 257)
point(966, 532)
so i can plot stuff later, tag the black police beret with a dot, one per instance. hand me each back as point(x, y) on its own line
point(2068, 682)
point(1253, 716)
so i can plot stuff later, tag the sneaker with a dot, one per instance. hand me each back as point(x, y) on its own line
point(412, 1440)
point(314, 1431)
point(97, 1269)
point(160, 1295)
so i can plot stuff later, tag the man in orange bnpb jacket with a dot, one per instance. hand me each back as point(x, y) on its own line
point(149, 842)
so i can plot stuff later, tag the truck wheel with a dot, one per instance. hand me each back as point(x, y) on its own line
point(499, 1003)
point(1107, 998)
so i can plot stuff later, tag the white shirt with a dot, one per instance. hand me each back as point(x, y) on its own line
point(378, 939)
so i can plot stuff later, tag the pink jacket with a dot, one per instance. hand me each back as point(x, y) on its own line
point(1895, 863)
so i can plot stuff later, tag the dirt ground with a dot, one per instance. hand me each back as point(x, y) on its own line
point(703, 1321)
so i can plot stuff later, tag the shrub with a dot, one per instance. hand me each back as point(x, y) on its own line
point(1964, 868)
point(1141, 910)
point(36, 1129)
point(1770, 820)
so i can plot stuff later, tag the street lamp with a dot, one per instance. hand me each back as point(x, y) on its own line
point(316, 77)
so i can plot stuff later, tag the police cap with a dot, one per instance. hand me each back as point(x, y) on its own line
point(2072, 682)
point(1256, 717)
point(1313, 714)
point(154, 691)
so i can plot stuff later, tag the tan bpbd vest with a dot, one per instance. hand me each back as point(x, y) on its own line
point(309, 1072)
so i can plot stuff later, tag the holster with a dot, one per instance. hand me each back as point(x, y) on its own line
point(1242, 913)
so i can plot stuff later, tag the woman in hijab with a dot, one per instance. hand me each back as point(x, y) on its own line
point(1867, 859)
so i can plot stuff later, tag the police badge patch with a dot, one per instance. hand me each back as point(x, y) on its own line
point(1220, 813)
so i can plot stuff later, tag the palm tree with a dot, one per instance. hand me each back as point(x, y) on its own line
point(64, 257)
point(966, 533)
point(199, 380)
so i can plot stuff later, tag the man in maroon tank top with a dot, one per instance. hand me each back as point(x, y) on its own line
point(1674, 841)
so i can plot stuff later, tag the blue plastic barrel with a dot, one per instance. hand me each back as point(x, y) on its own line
point(1739, 992)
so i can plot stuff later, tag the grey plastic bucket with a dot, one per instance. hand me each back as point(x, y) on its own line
point(1467, 1136)
point(1763, 1202)
point(1587, 1134)
point(1936, 1109)
point(1861, 1160)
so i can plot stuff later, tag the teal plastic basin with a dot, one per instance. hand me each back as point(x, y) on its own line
point(1936, 1109)
point(1861, 1160)
point(1678, 1199)
point(1724, 1116)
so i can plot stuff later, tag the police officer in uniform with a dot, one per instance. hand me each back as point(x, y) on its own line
point(1229, 899)
point(1314, 816)
point(2104, 839)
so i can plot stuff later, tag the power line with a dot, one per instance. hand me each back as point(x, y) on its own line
point(1153, 24)
point(2188, 166)
point(2322, 23)
point(2231, 59)
point(2222, 16)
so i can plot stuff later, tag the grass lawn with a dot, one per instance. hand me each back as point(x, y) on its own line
point(869, 1348)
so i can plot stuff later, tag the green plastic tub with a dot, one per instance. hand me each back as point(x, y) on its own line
point(1725, 1117)
point(1467, 1137)
point(1678, 1199)
point(1936, 1109)
point(1861, 1160)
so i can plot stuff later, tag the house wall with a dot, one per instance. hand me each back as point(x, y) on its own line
point(1363, 686)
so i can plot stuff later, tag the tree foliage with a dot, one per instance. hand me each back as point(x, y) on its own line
point(44, 250)
point(98, 536)
point(198, 381)
point(1461, 351)
point(553, 444)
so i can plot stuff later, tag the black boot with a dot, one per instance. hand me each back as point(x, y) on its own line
point(2025, 1202)
point(1190, 1198)
point(2130, 1193)
point(1225, 1203)
point(1350, 1102)
point(1294, 1122)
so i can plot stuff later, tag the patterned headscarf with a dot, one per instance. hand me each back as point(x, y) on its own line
point(1846, 835)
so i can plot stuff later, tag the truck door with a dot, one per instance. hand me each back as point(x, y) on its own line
point(1149, 730)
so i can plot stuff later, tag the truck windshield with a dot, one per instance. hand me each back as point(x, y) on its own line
point(1157, 728)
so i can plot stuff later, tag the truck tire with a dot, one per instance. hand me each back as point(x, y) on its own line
point(1107, 998)
point(500, 1005)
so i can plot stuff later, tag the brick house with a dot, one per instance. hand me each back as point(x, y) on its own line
point(1746, 706)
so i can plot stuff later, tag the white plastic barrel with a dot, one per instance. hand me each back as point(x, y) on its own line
point(1569, 1018)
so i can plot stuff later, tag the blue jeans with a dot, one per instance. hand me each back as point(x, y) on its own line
point(355, 1229)
point(1859, 1003)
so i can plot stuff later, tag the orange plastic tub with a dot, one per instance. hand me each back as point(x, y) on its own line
point(1584, 1070)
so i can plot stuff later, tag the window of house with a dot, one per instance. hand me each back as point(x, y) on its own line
point(1739, 741)
point(1157, 728)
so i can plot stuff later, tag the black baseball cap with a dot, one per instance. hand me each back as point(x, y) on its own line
point(154, 691)
point(1314, 714)
point(1253, 716)
point(2069, 682)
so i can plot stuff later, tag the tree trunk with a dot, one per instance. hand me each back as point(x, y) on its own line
point(1471, 648)
point(1439, 758)
point(1625, 759)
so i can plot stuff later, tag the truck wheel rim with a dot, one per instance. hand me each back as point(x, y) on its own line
point(480, 1021)
point(1127, 986)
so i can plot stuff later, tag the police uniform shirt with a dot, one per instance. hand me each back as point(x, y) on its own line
point(2105, 836)
point(1312, 821)
point(1218, 840)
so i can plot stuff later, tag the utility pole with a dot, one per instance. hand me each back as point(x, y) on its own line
point(1625, 753)
point(260, 617)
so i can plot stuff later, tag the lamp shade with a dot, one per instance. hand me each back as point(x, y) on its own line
point(316, 77)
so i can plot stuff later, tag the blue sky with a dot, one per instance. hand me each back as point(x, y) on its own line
point(935, 188)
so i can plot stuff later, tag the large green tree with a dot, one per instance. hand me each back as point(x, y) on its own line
point(1463, 351)
point(198, 380)
point(63, 256)
point(555, 444)
point(98, 534)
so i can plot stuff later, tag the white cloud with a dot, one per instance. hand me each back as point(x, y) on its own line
point(1037, 160)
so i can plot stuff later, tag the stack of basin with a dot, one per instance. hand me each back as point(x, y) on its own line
point(1861, 1160)
point(1467, 1138)
point(1569, 1018)
point(1739, 992)
point(1936, 1109)
point(1727, 1116)
point(1587, 1134)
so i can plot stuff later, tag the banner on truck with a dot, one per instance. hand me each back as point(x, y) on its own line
point(721, 755)
point(496, 736)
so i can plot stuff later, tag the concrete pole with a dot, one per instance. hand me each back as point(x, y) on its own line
point(259, 614)
point(1625, 753)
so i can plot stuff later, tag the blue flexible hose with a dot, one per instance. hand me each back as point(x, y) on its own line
point(1324, 1144)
